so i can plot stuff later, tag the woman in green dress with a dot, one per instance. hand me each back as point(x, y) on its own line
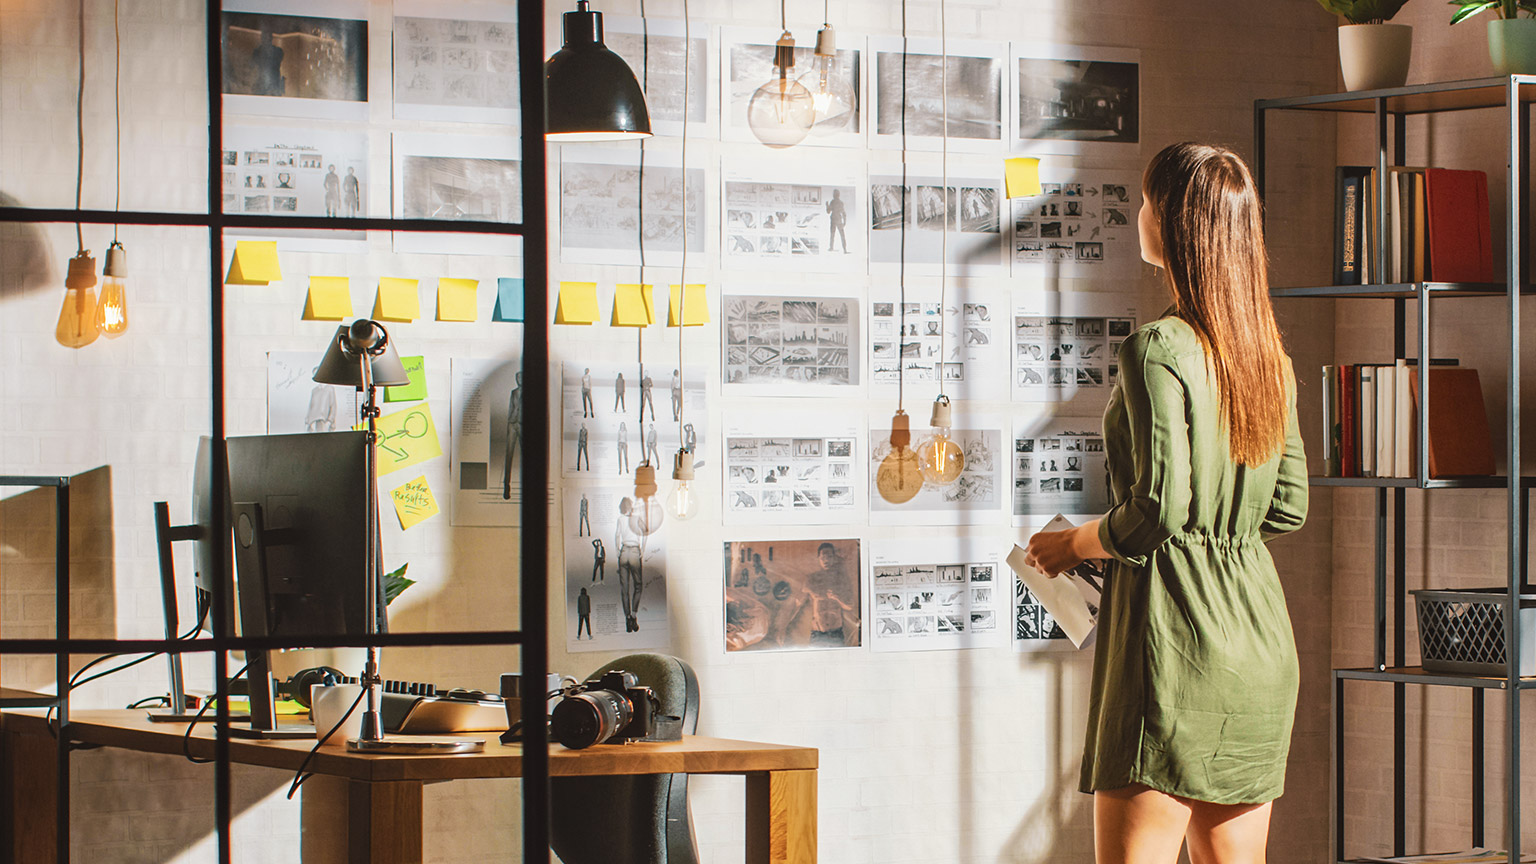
point(1195, 671)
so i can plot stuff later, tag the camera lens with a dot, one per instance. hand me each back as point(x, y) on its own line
point(589, 718)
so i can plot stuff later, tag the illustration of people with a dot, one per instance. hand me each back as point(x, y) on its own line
point(677, 394)
point(831, 615)
point(267, 61)
point(581, 448)
point(514, 434)
point(583, 614)
point(631, 582)
point(646, 385)
point(599, 560)
point(587, 408)
point(350, 194)
point(651, 453)
point(618, 392)
point(320, 416)
point(332, 193)
point(583, 524)
point(623, 448)
point(837, 215)
point(690, 437)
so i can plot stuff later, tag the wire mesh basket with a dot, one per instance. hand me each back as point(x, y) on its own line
point(1462, 632)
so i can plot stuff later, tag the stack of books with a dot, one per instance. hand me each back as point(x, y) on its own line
point(1370, 414)
point(1437, 226)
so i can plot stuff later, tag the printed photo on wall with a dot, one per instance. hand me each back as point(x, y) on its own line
point(297, 172)
point(462, 68)
point(936, 594)
point(792, 595)
point(1034, 627)
point(961, 223)
point(1082, 225)
point(615, 572)
point(835, 89)
point(781, 215)
point(1058, 467)
point(1072, 98)
point(974, 104)
point(487, 414)
point(917, 344)
point(791, 345)
point(1066, 345)
point(296, 403)
point(975, 497)
point(610, 422)
point(653, 48)
point(456, 177)
point(791, 469)
point(296, 60)
point(610, 210)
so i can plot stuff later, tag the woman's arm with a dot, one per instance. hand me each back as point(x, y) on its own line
point(1288, 507)
point(1055, 552)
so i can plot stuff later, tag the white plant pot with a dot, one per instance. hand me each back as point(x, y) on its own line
point(1512, 45)
point(1375, 56)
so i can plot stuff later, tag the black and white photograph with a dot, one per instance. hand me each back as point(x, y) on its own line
point(614, 416)
point(933, 337)
point(1078, 95)
point(1058, 467)
point(926, 578)
point(455, 68)
point(456, 187)
point(965, 222)
point(322, 173)
point(615, 571)
point(304, 65)
point(780, 216)
point(1034, 628)
point(787, 345)
point(834, 92)
point(974, 108)
point(974, 498)
point(653, 48)
point(608, 211)
point(788, 469)
point(1081, 225)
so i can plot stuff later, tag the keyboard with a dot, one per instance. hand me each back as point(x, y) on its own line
point(420, 708)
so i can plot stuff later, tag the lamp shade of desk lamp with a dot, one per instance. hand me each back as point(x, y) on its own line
point(338, 367)
point(592, 93)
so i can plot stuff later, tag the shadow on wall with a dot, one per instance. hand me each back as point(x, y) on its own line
point(25, 262)
point(1060, 824)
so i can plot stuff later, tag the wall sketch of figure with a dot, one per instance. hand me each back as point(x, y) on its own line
point(623, 448)
point(690, 438)
point(514, 434)
point(581, 449)
point(583, 524)
point(583, 614)
point(599, 560)
point(677, 395)
point(332, 193)
point(645, 395)
point(837, 214)
point(587, 408)
point(351, 195)
point(631, 582)
point(320, 416)
point(651, 452)
point(267, 62)
point(618, 392)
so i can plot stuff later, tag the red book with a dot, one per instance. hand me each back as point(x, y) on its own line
point(1459, 441)
point(1460, 239)
point(1349, 457)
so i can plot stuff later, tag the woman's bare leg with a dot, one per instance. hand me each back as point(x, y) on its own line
point(1138, 825)
point(1228, 833)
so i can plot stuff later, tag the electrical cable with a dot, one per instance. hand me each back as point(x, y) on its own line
point(299, 776)
point(186, 737)
point(76, 681)
point(80, 133)
point(682, 279)
point(117, 114)
point(901, 335)
point(944, 185)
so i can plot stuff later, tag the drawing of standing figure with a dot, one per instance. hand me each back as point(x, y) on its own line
point(645, 395)
point(332, 193)
point(514, 434)
point(583, 524)
point(321, 414)
point(837, 213)
point(690, 438)
point(652, 455)
point(351, 195)
point(618, 392)
point(581, 449)
point(587, 408)
point(631, 582)
point(599, 560)
point(677, 394)
point(267, 61)
point(623, 445)
point(583, 614)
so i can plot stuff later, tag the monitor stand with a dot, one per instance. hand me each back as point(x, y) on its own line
point(251, 558)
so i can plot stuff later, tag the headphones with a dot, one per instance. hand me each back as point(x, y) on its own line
point(297, 687)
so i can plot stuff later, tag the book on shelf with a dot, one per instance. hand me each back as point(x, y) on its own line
point(1459, 236)
point(1459, 441)
point(1370, 416)
point(1435, 224)
point(1348, 223)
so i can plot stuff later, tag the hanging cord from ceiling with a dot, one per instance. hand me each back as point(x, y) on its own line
point(117, 115)
point(901, 334)
point(682, 279)
point(944, 169)
point(645, 82)
point(80, 132)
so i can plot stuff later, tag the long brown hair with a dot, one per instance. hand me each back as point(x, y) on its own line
point(1212, 227)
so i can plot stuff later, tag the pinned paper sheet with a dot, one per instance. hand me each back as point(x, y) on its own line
point(697, 311)
point(577, 303)
point(406, 438)
point(415, 391)
point(414, 502)
point(397, 300)
point(456, 299)
point(329, 299)
point(633, 306)
point(509, 300)
point(1021, 176)
point(254, 263)
point(1073, 597)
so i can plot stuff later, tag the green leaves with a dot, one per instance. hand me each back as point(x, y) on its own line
point(1502, 8)
point(395, 582)
point(1365, 11)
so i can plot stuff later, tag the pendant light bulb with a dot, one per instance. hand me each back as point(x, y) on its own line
point(939, 458)
point(645, 517)
point(782, 111)
point(77, 317)
point(898, 479)
point(112, 306)
point(683, 501)
point(832, 98)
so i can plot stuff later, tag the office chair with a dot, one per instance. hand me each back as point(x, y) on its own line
point(635, 819)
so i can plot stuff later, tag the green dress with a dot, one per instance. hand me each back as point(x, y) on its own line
point(1195, 671)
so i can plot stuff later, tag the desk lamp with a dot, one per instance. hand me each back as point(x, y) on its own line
point(362, 356)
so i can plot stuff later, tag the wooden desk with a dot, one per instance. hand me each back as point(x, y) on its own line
point(383, 793)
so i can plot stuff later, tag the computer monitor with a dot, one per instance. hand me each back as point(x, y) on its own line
point(207, 571)
point(299, 514)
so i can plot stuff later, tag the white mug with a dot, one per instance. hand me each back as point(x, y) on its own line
point(328, 703)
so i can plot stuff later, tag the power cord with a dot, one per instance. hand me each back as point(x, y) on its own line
point(186, 737)
point(300, 776)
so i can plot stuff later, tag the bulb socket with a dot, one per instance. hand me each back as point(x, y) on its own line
point(582, 27)
point(784, 53)
point(682, 465)
point(826, 41)
point(942, 417)
point(82, 272)
point(901, 429)
point(117, 262)
point(645, 481)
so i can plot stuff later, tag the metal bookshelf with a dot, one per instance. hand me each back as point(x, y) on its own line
point(1512, 95)
point(532, 637)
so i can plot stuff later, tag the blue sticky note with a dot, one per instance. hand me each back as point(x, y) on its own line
point(509, 300)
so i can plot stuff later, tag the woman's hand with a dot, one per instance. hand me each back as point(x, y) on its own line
point(1054, 552)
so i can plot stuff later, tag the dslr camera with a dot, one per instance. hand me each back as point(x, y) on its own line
point(612, 708)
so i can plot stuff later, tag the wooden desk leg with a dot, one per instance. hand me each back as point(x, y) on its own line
point(31, 791)
point(781, 817)
point(384, 822)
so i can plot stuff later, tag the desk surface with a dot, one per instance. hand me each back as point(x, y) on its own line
point(692, 755)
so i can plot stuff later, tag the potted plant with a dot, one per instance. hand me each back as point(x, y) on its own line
point(1511, 39)
point(1373, 54)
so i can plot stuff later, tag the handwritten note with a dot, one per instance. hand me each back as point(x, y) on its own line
point(406, 438)
point(414, 503)
point(416, 368)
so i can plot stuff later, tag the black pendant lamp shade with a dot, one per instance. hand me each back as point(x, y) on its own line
point(592, 93)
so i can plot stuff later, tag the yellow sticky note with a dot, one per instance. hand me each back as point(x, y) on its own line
point(456, 299)
point(696, 312)
point(254, 263)
point(1022, 176)
point(414, 502)
point(577, 303)
point(397, 300)
point(328, 300)
point(633, 306)
point(406, 438)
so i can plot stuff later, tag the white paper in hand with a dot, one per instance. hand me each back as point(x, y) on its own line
point(1071, 598)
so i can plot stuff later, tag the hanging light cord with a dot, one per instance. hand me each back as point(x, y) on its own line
point(826, 15)
point(645, 83)
point(682, 287)
point(783, 21)
point(80, 133)
point(901, 334)
point(944, 167)
point(117, 113)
